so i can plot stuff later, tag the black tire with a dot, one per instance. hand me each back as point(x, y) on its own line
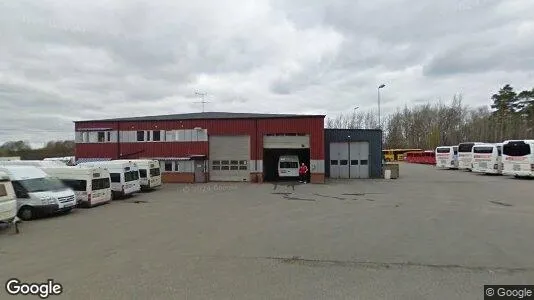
point(26, 213)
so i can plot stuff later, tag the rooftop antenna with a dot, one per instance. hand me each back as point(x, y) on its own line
point(203, 101)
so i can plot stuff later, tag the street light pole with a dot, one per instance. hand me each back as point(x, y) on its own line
point(379, 87)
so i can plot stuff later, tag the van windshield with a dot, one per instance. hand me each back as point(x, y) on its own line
point(44, 184)
point(443, 150)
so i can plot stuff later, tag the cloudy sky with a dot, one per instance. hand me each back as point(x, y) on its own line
point(64, 60)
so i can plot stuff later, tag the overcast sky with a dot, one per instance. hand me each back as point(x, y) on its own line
point(64, 60)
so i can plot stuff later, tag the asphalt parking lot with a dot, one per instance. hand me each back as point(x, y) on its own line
point(431, 234)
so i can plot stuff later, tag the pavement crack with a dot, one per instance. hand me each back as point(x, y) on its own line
point(501, 203)
point(333, 197)
point(296, 198)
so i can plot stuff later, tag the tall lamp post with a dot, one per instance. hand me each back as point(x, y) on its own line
point(379, 88)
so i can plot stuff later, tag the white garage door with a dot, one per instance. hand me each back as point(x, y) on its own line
point(229, 158)
point(286, 142)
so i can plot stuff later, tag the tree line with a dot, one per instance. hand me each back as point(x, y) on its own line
point(25, 151)
point(510, 115)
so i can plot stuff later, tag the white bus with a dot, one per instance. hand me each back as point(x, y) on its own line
point(288, 166)
point(447, 157)
point(487, 158)
point(8, 201)
point(465, 155)
point(124, 176)
point(37, 193)
point(92, 185)
point(518, 158)
point(149, 172)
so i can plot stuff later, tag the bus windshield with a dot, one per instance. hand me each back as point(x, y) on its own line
point(483, 150)
point(516, 149)
point(443, 150)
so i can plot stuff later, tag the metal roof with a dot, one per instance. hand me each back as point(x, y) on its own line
point(205, 115)
point(96, 159)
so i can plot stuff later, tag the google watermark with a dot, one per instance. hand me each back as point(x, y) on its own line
point(43, 290)
point(205, 188)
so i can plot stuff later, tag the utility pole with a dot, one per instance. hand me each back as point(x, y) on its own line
point(203, 101)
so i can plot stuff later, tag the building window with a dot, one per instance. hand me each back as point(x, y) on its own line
point(333, 162)
point(85, 136)
point(168, 166)
point(343, 162)
point(109, 136)
point(354, 162)
point(148, 135)
point(364, 162)
point(243, 168)
point(140, 136)
point(101, 137)
point(156, 136)
point(242, 162)
point(216, 168)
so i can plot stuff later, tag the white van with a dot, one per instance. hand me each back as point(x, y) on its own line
point(149, 172)
point(8, 202)
point(37, 193)
point(288, 166)
point(92, 185)
point(124, 176)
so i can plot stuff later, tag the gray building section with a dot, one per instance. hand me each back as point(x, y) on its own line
point(353, 153)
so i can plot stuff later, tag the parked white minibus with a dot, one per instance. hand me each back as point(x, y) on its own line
point(447, 157)
point(124, 176)
point(465, 155)
point(149, 172)
point(518, 158)
point(92, 185)
point(288, 166)
point(8, 201)
point(37, 193)
point(487, 158)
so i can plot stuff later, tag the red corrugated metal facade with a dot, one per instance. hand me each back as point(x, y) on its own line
point(255, 128)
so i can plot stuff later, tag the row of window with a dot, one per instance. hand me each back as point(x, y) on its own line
point(182, 135)
point(345, 162)
point(229, 165)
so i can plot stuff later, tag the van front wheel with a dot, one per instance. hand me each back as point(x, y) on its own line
point(26, 213)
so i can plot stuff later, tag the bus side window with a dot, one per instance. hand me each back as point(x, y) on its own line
point(20, 191)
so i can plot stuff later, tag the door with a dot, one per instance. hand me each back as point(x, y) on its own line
point(229, 157)
point(364, 160)
point(354, 159)
point(359, 160)
point(334, 160)
point(199, 171)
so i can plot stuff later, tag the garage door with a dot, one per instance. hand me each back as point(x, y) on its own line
point(359, 159)
point(339, 160)
point(229, 158)
point(286, 142)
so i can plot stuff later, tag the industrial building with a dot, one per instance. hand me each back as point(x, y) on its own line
point(353, 153)
point(209, 146)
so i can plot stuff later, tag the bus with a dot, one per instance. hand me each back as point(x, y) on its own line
point(518, 158)
point(447, 157)
point(465, 155)
point(487, 158)
point(149, 172)
point(397, 154)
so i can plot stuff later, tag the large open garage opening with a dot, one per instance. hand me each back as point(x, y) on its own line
point(284, 145)
point(271, 159)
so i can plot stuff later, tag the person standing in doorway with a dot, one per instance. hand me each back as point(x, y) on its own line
point(303, 171)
